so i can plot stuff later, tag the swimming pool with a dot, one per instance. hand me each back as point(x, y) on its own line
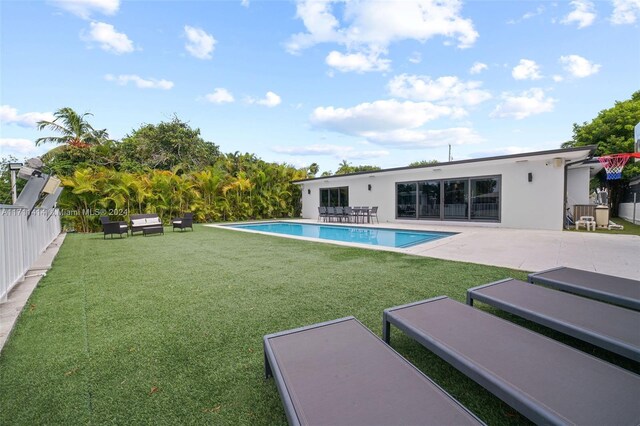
point(363, 235)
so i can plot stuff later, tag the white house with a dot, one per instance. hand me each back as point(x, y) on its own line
point(531, 190)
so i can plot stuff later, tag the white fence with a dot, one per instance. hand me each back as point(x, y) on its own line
point(22, 240)
point(626, 210)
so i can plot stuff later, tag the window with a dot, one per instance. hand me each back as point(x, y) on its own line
point(406, 200)
point(456, 203)
point(474, 199)
point(485, 199)
point(429, 199)
point(334, 197)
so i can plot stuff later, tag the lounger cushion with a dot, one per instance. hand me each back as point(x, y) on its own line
point(342, 374)
point(562, 384)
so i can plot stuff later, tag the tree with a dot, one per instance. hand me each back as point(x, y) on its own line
point(73, 128)
point(345, 168)
point(313, 170)
point(612, 133)
point(423, 163)
point(165, 146)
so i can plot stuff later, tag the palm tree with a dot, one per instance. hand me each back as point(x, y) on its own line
point(74, 129)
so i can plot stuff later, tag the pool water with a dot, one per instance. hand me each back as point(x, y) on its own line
point(363, 235)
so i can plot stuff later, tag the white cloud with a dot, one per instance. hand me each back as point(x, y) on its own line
point(447, 90)
point(529, 102)
point(336, 151)
point(625, 12)
point(583, 14)
point(370, 26)
point(383, 115)
point(411, 139)
point(557, 78)
point(140, 82)
point(199, 43)
point(526, 70)
point(244, 3)
point(84, 8)
point(220, 96)
point(358, 62)
point(390, 122)
point(108, 38)
point(477, 68)
point(578, 66)
point(10, 115)
point(539, 10)
point(15, 146)
point(415, 58)
point(270, 100)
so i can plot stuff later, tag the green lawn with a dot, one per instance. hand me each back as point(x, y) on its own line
point(629, 228)
point(168, 329)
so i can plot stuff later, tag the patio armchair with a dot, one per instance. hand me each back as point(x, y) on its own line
point(183, 222)
point(322, 213)
point(374, 214)
point(112, 228)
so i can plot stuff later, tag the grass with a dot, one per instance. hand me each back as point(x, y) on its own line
point(168, 329)
point(629, 228)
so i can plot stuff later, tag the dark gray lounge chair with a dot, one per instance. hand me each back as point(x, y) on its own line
point(112, 228)
point(340, 373)
point(609, 288)
point(184, 222)
point(611, 327)
point(546, 381)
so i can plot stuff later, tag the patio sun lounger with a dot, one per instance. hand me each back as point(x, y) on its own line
point(546, 381)
point(609, 288)
point(340, 373)
point(611, 327)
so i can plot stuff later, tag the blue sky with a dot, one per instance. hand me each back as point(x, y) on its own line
point(383, 83)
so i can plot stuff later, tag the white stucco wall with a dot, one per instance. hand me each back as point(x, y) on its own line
point(577, 191)
point(528, 205)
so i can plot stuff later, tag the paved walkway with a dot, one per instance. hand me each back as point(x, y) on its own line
point(18, 296)
point(529, 250)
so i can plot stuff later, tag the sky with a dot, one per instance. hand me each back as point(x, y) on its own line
point(382, 83)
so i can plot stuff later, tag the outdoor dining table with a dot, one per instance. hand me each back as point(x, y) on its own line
point(361, 213)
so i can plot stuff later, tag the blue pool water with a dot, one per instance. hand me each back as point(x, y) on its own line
point(351, 234)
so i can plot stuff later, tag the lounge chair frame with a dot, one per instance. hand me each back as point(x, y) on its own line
point(616, 299)
point(502, 388)
point(604, 341)
point(271, 369)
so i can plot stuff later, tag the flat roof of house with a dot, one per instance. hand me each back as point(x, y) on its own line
point(589, 151)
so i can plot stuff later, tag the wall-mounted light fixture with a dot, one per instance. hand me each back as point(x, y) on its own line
point(369, 187)
point(530, 177)
point(309, 191)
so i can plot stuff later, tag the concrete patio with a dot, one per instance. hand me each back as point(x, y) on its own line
point(528, 250)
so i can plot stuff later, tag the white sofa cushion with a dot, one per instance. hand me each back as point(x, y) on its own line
point(153, 221)
point(138, 222)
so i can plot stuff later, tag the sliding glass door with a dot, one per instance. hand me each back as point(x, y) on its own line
point(472, 199)
point(406, 200)
point(429, 199)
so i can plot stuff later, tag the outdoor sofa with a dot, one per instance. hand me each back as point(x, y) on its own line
point(146, 223)
point(112, 228)
point(608, 288)
point(608, 326)
point(545, 380)
point(340, 373)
